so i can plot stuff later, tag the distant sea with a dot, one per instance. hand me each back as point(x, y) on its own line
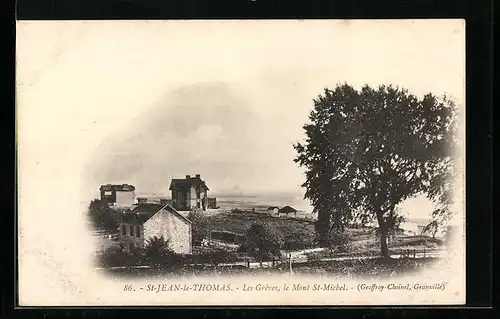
point(261, 202)
point(304, 208)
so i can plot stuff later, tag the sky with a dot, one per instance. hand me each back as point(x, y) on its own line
point(142, 102)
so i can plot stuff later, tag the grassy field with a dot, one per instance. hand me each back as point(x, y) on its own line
point(239, 222)
point(364, 240)
point(298, 233)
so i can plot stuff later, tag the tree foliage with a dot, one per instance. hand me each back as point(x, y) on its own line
point(200, 225)
point(157, 251)
point(339, 241)
point(367, 151)
point(116, 256)
point(102, 216)
point(263, 241)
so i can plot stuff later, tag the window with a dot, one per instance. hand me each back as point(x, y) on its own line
point(131, 230)
point(124, 230)
point(138, 231)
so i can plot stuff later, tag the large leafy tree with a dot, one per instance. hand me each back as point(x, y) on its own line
point(368, 150)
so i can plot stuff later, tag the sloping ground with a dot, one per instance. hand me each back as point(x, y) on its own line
point(239, 222)
point(301, 232)
point(298, 234)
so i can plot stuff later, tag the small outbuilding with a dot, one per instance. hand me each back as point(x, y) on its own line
point(287, 210)
point(272, 210)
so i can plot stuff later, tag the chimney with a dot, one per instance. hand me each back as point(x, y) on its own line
point(197, 175)
point(188, 176)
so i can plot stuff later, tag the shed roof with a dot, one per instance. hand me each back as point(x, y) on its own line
point(287, 210)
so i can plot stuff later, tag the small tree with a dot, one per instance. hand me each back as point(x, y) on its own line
point(263, 241)
point(200, 225)
point(95, 212)
point(157, 252)
point(432, 227)
point(102, 216)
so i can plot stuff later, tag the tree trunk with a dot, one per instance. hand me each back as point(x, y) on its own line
point(383, 231)
point(322, 227)
point(383, 243)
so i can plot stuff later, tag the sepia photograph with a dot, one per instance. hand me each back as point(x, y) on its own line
point(258, 162)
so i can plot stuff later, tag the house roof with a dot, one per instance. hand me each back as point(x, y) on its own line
point(287, 210)
point(123, 187)
point(141, 213)
point(169, 208)
point(272, 208)
point(183, 184)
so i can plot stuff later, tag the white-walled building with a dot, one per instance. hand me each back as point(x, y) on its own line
point(118, 195)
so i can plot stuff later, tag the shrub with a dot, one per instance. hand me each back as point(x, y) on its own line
point(116, 257)
point(200, 225)
point(299, 238)
point(263, 241)
point(102, 216)
point(339, 241)
point(157, 252)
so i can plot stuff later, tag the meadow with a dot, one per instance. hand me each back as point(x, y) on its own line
point(299, 233)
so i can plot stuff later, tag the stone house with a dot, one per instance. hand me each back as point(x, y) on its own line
point(145, 221)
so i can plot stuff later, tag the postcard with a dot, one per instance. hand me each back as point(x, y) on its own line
point(241, 163)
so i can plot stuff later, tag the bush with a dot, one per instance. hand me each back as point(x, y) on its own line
point(299, 238)
point(339, 241)
point(102, 216)
point(157, 252)
point(200, 226)
point(263, 241)
point(116, 257)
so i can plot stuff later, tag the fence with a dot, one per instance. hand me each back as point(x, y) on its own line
point(420, 253)
point(286, 262)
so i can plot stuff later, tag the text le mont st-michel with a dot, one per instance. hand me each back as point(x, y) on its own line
point(291, 287)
